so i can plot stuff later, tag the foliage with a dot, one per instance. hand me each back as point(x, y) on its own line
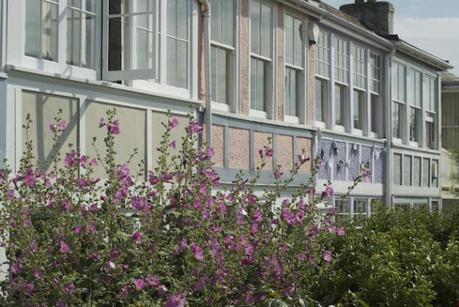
point(176, 238)
point(397, 258)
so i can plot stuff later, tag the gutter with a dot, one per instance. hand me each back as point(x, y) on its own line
point(423, 56)
point(205, 9)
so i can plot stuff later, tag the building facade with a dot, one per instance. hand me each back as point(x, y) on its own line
point(314, 79)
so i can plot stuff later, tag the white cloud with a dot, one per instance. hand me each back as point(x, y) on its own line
point(439, 36)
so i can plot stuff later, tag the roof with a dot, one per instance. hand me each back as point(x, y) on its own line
point(401, 44)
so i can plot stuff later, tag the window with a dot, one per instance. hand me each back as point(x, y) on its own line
point(322, 75)
point(375, 71)
point(341, 77)
point(399, 97)
point(340, 104)
point(222, 50)
point(343, 209)
point(260, 55)
point(360, 75)
point(396, 120)
point(359, 109)
point(321, 99)
point(294, 64)
point(133, 37)
point(407, 171)
point(425, 172)
point(149, 40)
point(430, 106)
point(341, 60)
point(41, 39)
point(81, 33)
point(376, 114)
point(434, 176)
point(397, 179)
point(360, 210)
point(177, 43)
point(415, 99)
point(323, 55)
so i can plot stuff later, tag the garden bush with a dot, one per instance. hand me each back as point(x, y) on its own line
point(170, 237)
point(396, 258)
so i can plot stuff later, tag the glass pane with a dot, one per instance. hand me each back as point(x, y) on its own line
point(342, 206)
point(75, 3)
point(32, 42)
point(289, 39)
point(227, 24)
point(407, 171)
point(172, 17)
point(397, 169)
point(89, 42)
point(298, 43)
point(425, 172)
point(396, 120)
point(340, 96)
point(360, 206)
point(116, 6)
point(117, 26)
point(220, 74)
point(177, 63)
point(90, 5)
point(375, 113)
point(320, 99)
point(49, 31)
point(266, 31)
point(255, 20)
point(258, 85)
point(73, 37)
point(358, 109)
point(291, 92)
point(145, 35)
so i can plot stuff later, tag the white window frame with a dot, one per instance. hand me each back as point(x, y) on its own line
point(143, 78)
point(336, 54)
point(375, 79)
point(318, 62)
point(234, 67)
point(402, 103)
point(16, 44)
point(271, 62)
point(300, 70)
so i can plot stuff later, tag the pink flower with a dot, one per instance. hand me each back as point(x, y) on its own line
point(114, 127)
point(328, 257)
point(153, 280)
point(210, 152)
point(62, 125)
point(137, 236)
point(328, 192)
point(77, 229)
point(197, 251)
point(203, 189)
point(340, 231)
point(139, 284)
point(16, 268)
point(194, 127)
point(181, 247)
point(173, 122)
point(70, 289)
point(64, 248)
point(176, 300)
point(102, 122)
point(173, 144)
point(29, 179)
point(139, 203)
point(38, 274)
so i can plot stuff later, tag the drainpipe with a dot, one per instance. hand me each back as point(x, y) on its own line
point(205, 10)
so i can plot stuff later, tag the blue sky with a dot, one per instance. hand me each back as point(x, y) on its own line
point(432, 25)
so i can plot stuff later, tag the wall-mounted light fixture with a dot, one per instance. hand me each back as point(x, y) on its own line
point(314, 32)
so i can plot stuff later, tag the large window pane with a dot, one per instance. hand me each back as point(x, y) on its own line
point(222, 21)
point(33, 26)
point(359, 102)
point(340, 104)
point(359, 67)
point(396, 116)
point(261, 29)
point(49, 30)
point(292, 77)
point(376, 114)
point(415, 115)
point(177, 43)
point(258, 84)
point(323, 55)
point(341, 60)
point(321, 99)
point(220, 74)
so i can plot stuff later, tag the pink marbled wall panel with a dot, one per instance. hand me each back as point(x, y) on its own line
point(260, 140)
point(284, 152)
point(306, 145)
point(239, 149)
point(218, 138)
point(311, 90)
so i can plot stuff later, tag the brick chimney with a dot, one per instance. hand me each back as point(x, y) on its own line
point(377, 16)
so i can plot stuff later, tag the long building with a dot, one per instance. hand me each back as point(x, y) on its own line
point(337, 83)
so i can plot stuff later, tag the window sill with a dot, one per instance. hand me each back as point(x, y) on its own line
point(358, 132)
point(320, 124)
point(258, 113)
point(339, 128)
point(220, 106)
point(292, 119)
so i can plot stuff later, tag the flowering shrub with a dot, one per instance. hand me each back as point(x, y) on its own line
point(175, 238)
